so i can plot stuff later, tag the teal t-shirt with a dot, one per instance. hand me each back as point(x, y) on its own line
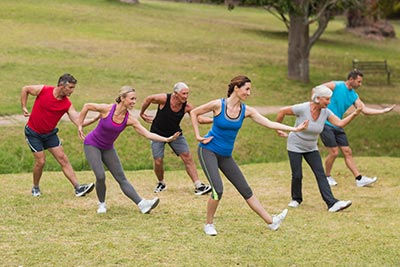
point(342, 98)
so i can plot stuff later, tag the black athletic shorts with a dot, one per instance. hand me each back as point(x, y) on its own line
point(39, 142)
point(334, 136)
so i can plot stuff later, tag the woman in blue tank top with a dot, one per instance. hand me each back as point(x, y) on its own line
point(99, 145)
point(215, 148)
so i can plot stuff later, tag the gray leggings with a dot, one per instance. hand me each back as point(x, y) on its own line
point(211, 162)
point(96, 157)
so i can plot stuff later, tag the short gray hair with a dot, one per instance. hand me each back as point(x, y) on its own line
point(320, 91)
point(180, 86)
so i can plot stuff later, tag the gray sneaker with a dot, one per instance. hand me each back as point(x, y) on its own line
point(202, 190)
point(36, 192)
point(160, 187)
point(84, 189)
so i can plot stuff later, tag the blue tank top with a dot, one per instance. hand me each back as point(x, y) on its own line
point(106, 131)
point(224, 130)
point(342, 98)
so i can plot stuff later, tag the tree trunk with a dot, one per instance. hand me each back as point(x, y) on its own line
point(299, 48)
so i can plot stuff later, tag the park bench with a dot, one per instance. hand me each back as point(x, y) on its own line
point(373, 67)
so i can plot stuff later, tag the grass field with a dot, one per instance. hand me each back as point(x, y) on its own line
point(107, 44)
point(59, 229)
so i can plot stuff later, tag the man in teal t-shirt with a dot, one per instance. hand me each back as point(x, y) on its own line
point(344, 96)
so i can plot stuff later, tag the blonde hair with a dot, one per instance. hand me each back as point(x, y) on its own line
point(320, 91)
point(123, 92)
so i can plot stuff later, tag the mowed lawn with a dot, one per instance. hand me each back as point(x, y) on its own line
point(59, 229)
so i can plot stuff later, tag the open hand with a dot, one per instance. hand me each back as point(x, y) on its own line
point(302, 126)
point(173, 137)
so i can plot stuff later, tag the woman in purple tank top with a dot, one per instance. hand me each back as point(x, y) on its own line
point(99, 145)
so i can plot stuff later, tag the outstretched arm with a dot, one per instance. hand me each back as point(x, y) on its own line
point(149, 135)
point(372, 111)
point(258, 118)
point(29, 90)
point(342, 123)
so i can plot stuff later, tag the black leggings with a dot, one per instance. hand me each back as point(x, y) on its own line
point(313, 159)
point(96, 157)
point(211, 162)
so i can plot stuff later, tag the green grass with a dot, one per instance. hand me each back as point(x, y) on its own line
point(59, 229)
point(107, 44)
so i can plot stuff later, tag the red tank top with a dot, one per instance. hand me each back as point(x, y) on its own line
point(47, 111)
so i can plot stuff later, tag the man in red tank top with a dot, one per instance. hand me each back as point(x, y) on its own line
point(50, 105)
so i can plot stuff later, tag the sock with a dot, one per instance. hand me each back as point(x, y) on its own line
point(197, 184)
point(359, 177)
point(36, 186)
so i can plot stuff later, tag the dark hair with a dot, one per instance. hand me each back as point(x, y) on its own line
point(123, 92)
point(354, 74)
point(66, 78)
point(238, 81)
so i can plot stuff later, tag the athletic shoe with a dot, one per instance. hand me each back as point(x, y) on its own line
point(364, 181)
point(277, 220)
point(293, 204)
point(84, 189)
point(209, 229)
point(331, 181)
point(202, 189)
point(35, 192)
point(102, 207)
point(146, 206)
point(160, 187)
point(340, 205)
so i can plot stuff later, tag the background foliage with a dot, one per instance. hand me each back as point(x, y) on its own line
point(107, 44)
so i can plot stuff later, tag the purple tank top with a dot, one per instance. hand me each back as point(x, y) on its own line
point(106, 131)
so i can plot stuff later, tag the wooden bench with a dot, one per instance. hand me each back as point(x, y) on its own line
point(373, 67)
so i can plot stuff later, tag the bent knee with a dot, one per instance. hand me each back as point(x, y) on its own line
point(216, 195)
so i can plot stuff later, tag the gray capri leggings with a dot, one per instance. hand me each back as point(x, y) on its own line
point(96, 157)
point(211, 162)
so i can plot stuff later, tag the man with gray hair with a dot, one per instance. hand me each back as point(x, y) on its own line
point(170, 111)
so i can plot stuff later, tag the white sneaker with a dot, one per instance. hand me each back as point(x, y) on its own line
point(364, 181)
point(277, 220)
point(209, 229)
point(331, 181)
point(146, 205)
point(102, 207)
point(293, 204)
point(340, 205)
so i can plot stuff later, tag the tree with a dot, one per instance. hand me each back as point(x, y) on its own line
point(302, 13)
